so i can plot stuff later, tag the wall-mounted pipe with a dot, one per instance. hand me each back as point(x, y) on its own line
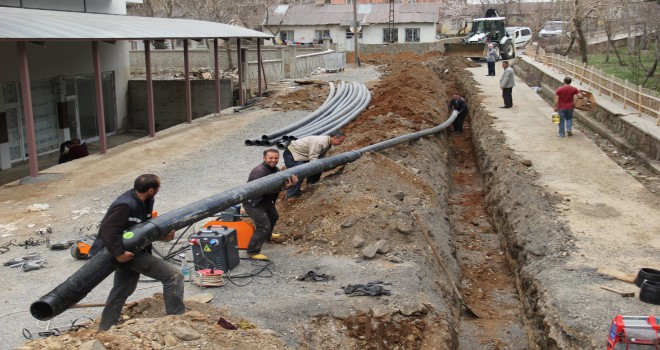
point(95, 270)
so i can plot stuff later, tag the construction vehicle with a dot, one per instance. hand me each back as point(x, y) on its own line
point(486, 30)
point(634, 332)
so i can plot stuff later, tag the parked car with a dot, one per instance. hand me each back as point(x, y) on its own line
point(520, 35)
point(552, 29)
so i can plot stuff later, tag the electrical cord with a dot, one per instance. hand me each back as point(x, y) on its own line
point(257, 272)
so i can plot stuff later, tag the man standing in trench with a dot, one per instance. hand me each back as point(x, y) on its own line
point(128, 210)
point(308, 149)
point(457, 103)
point(262, 209)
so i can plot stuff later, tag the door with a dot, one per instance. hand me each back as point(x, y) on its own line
point(17, 137)
point(73, 116)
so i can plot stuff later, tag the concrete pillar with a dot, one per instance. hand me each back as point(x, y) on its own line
point(292, 62)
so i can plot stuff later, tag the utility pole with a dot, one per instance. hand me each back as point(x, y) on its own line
point(355, 33)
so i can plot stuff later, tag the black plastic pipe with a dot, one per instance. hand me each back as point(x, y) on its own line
point(95, 270)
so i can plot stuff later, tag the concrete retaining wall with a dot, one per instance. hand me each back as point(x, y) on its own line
point(170, 103)
point(635, 139)
point(418, 48)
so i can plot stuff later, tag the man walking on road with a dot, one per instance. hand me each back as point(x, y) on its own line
point(507, 82)
point(128, 210)
point(564, 104)
point(458, 103)
point(262, 209)
point(308, 149)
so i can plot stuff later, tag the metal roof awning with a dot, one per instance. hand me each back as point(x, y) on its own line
point(19, 24)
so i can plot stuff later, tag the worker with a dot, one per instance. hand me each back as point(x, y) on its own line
point(507, 82)
point(71, 150)
point(262, 209)
point(564, 104)
point(491, 58)
point(308, 149)
point(131, 208)
point(457, 103)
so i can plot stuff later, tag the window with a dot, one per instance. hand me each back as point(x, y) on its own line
point(349, 34)
point(412, 35)
point(286, 35)
point(390, 36)
point(319, 35)
point(526, 32)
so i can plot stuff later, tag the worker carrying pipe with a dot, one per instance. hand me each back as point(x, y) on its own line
point(98, 268)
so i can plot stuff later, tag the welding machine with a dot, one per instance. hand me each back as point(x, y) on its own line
point(215, 248)
point(643, 331)
point(232, 218)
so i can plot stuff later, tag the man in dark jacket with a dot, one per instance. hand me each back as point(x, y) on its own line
point(457, 103)
point(128, 210)
point(262, 209)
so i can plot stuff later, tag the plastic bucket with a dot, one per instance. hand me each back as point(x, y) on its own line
point(555, 118)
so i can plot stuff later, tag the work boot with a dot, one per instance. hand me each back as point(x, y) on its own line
point(258, 257)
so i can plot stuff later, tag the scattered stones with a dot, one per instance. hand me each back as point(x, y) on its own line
point(91, 345)
point(358, 242)
point(348, 223)
point(370, 251)
point(186, 334)
point(383, 246)
point(399, 195)
point(526, 162)
point(38, 207)
point(170, 340)
point(404, 228)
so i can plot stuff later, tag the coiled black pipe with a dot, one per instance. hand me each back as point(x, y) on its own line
point(332, 95)
point(95, 270)
point(338, 112)
point(345, 116)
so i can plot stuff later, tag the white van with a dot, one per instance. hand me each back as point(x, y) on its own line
point(520, 35)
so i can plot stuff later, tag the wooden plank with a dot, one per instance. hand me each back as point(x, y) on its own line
point(621, 276)
point(621, 293)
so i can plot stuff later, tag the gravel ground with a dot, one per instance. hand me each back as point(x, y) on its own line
point(206, 165)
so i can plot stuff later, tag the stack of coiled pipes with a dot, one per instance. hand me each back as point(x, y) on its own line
point(343, 104)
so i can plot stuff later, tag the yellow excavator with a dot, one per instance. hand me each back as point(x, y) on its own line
point(486, 30)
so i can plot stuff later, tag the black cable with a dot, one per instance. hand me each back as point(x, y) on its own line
point(254, 273)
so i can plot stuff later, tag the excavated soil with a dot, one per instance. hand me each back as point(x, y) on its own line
point(391, 196)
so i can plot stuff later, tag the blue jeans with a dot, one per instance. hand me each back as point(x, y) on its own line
point(294, 191)
point(491, 68)
point(565, 116)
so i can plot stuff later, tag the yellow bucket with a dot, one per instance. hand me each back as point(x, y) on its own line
point(555, 118)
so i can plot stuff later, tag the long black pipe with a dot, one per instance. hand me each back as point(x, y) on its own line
point(95, 270)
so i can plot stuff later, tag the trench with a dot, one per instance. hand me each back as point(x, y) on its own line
point(487, 282)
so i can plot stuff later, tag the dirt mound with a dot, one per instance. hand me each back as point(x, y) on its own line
point(144, 325)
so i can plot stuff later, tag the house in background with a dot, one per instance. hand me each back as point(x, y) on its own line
point(314, 23)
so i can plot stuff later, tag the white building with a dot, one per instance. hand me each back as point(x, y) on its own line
point(308, 23)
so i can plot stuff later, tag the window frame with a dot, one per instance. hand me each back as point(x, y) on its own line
point(410, 34)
